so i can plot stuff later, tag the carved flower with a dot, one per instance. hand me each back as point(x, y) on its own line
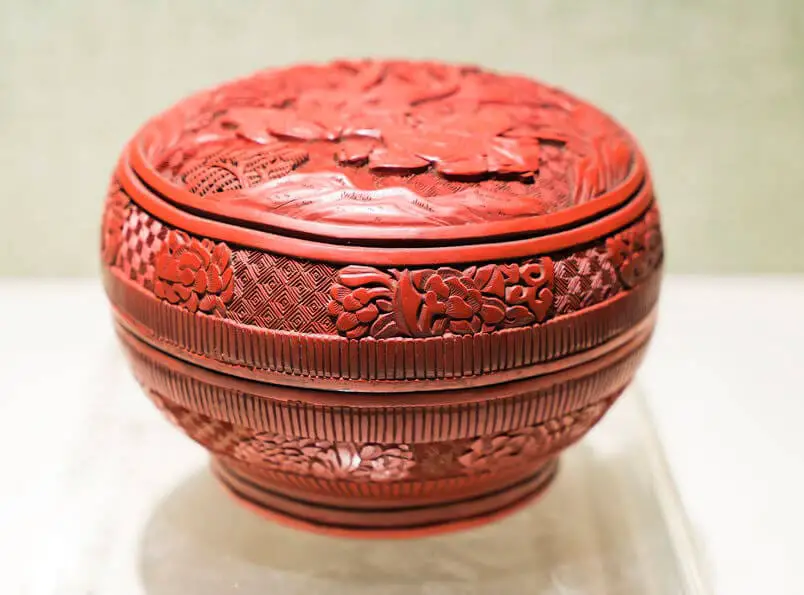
point(197, 275)
point(361, 302)
point(393, 126)
point(378, 464)
point(476, 299)
point(432, 302)
point(524, 291)
point(467, 140)
point(637, 251)
point(528, 292)
point(501, 449)
point(505, 448)
point(438, 459)
point(452, 301)
point(286, 454)
point(568, 428)
point(327, 460)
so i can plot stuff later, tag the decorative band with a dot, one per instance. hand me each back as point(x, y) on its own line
point(387, 518)
point(290, 358)
point(394, 417)
point(577, 226)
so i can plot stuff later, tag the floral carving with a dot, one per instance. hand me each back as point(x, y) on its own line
point(434, 302)
point(114, 215)
point(362, 303)
point(194, 274)
point(464, 142)
point(637, 251)
point(508, 448)
point(503, 448)
point(440, 459)
point(328, 460)
point(426, 144)
point(393, 117)
point(452, 302)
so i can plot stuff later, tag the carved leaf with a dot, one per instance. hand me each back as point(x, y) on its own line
point(355, 276)
point(357, 332)
point(458, 308)
point(385, 305)
point(519, 315)
point(469, 167)
point(192, 303)
point(347, 321)
point(221, 256)
point(421, 276)
point(227, 281)
point(338, 292)
point(515, 294)
point(351, 304)
point(207, 303)
point(190, 260)
point(509, 155)
point(367, 314)
point(214, 281)
point(383, 158)
point(354, 150)
point(493, 311)
point(439, 327)
point(384, 327)
point(482, 275)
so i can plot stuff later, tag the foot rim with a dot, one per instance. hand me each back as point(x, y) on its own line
point(396, 522)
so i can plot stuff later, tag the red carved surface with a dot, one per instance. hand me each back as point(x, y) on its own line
point(196, 275)
point(384, 295)
point(404, 145)
point(142, 237)
point(583, 279)
point(636, 252)
point(432, 302)
point(283, 293)
point(115, 214)
point(367, 462)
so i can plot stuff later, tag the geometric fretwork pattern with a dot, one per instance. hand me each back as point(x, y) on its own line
point(281, 293)
point(142, 240)
point(583, 279)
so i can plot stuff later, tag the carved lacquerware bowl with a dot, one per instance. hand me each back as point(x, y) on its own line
point(384, 295)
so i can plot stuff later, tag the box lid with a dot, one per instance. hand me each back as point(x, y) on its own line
point(350, 161)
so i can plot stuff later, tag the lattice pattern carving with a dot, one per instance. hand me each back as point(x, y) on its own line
point(584, 279)
point(143, 237)
point(281, 293)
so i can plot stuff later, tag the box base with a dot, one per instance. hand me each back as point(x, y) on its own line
point(396, 520)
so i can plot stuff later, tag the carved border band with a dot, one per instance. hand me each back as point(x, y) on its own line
point(281, 356)
point(341, 417)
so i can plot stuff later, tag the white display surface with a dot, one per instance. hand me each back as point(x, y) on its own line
point(689, 485)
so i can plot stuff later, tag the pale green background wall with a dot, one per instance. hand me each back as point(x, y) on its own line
point(714, 90)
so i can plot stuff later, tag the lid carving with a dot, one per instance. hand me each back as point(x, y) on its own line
point(413, 146)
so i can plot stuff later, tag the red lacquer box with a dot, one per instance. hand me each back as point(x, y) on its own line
point(384, 295)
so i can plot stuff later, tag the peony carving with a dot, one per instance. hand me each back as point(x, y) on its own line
point(194, 274)
point(328, 460)
point(434, 302)
point(389, 119)
point(508, 448)
point(637, 251)
point(362, 303)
